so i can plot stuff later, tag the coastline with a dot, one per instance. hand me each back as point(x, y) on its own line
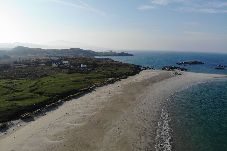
point(119, 116)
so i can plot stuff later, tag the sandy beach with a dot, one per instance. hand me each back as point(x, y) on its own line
point(117, 117)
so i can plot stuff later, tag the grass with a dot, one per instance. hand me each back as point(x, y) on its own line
point(18, 96)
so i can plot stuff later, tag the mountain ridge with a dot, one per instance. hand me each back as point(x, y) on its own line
point(24, 52)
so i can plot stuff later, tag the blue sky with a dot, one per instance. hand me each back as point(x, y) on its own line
point(184, 25)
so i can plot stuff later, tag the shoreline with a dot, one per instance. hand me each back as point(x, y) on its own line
point(44, 108)
point(112, 117)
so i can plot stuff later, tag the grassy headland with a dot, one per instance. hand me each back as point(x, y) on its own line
point(32, 84)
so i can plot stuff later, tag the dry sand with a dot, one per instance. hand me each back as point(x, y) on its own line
point(118, 117)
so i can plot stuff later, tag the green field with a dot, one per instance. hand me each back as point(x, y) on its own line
point(21, 95)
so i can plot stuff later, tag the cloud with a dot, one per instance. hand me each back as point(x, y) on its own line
point(167, 2)
point(217, 4)
point(202, 10)
point(145, 7)
point(196, 33)
point(195, 6)
point(210, 7)
point(153, 3)
point(81, 5)
point(191, 24)
point(160, 2)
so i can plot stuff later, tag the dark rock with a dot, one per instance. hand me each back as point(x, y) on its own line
point(3, 126)
point(146, 68)
point(194, 62)
point(220, 67)
point(171, 68)
point(27, 117)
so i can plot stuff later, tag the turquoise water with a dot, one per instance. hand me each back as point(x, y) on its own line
point(160, 59)
point(199, 117)
point(194, 119)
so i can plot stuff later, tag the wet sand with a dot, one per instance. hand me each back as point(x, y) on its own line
point(117, 117)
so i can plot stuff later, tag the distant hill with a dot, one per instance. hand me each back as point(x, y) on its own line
point(24, 52)
point(8, 46)
point(111, 53)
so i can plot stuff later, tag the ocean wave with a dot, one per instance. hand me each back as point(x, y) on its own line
point(163, 133)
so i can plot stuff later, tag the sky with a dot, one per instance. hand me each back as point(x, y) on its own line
point(179, 25)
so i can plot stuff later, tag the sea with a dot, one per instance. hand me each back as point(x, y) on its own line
point(194, 118)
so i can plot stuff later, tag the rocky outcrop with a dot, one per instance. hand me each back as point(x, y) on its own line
point(146, 68)
point(4, 126)
point(171, 68)
point(194, 62)
point(221, 67)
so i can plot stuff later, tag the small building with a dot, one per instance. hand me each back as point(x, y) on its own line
point(54, 64)
point(42, 64)
point(83, 66)
point(65, 62)
point(20, 65)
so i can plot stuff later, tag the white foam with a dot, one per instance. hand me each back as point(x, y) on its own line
point(163, 133)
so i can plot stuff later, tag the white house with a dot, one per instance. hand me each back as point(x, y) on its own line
point(65, 62)
point(54, 64)
point(83, 66)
